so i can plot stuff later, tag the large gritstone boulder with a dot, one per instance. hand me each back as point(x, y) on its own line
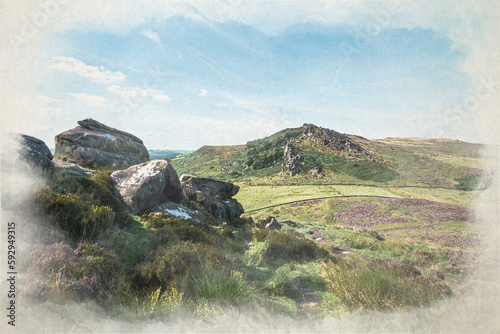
point(33, 150)
point(212, 195)
point(145, 185)
point(95, 144)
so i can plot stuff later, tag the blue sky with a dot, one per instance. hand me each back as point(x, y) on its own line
point(200, 75)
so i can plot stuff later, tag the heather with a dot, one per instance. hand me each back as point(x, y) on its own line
point(365, 231)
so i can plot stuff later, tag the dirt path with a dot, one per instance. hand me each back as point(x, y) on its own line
point(308, 302)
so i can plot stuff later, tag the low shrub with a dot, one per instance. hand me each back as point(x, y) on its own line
point(131, 246)
point(172, 229)
point(97, 191)
point(292, 246)
point(88, 272)
point(260, 234)
point(48, 260)
point(103, 179)
point(374, 284)
point(358, 241)
point(394, 247)
point(158, 302)
point(226, 231)
point(220, 285)
point(81, 219)
point(91, 260)
point(476, 182)
point(280, 284)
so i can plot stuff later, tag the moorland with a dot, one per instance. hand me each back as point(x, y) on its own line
point(332, 223)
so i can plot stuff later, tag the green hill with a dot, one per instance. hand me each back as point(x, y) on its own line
point(166, 154)
point(311, 154)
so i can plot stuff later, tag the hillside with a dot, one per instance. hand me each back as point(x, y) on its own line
point(166, 154)
point(311, 154)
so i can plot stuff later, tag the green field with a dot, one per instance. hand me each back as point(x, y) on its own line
point(256, 197)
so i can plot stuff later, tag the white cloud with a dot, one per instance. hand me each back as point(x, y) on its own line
point(203, 92)
point(152, 36)
point(155, 94)
point(46, 99)
point(95, 73)
point(88, 100)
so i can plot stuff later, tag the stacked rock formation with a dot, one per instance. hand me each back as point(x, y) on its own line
point(212, 195)
point(93, 143)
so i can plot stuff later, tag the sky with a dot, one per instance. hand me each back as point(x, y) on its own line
point(180, 75)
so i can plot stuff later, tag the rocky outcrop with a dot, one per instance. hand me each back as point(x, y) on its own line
point(145, 185)
point(273, 225)
point(93, 143)
point(316, 172)
point(212, 195)
point(291, 159)
point(33, 150)
point(215, 186)
point(332, 139)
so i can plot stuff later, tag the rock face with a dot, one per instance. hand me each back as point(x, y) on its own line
point(145, 185)
point(212, 195)
point(33, 150)
point(332, 139)
point(291, 159)
point(95, 143)
point(214, 186)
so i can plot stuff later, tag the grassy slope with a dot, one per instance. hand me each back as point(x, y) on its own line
point(435, 163)
point(431, 236)
point(397, 162)
point(211, 161)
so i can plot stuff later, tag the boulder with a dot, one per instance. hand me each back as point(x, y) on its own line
point(33, 150)
point(93, 143)
point(212, 195)
point(145, 185)
point(214, 186)
point(273, 225)
point(316, 171)
point(171, 209)
point(25, 163)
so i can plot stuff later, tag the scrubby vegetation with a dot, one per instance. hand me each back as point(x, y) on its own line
point(264, 152)
point(363, 242)
point(150, 266)
point(395, 162)
point(476, 182)
point(357, 283)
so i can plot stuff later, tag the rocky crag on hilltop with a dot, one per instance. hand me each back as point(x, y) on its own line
point(330, 139)
point(97, 145)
